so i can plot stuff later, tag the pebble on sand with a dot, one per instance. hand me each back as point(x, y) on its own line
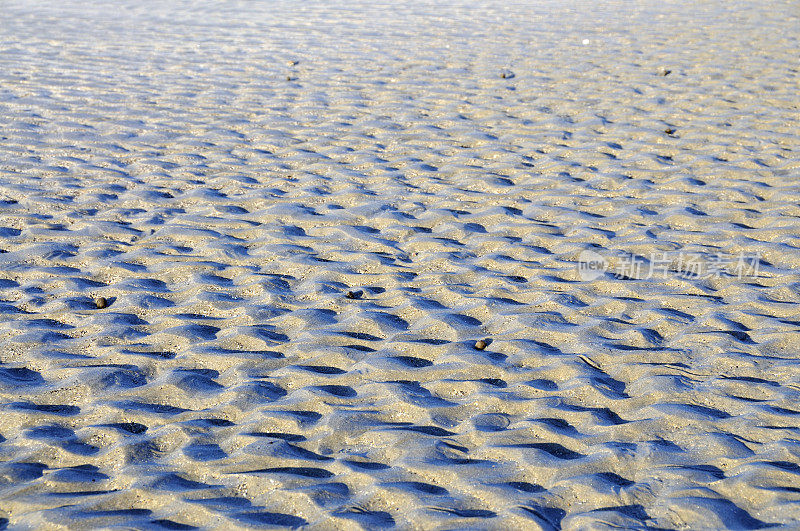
point(481, 344)
point(669, 130)
point(100, 302)
point(507, 74)
point(354, 294)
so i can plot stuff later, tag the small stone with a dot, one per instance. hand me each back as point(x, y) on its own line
point(665, 72)
point(669, 131)
point(100, 302)
point(506, 74)
point(293, 62)
point(481, 344)
point(354, 294)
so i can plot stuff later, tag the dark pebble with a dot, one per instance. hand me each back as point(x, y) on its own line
point(354, 294)
point(481, 344)
point(100, 302)
point(669, 131)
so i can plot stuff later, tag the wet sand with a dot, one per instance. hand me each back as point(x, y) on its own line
point(248, 251)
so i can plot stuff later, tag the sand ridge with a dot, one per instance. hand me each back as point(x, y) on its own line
point(225, 174)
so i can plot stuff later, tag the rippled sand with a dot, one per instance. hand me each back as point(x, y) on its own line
point(302, 216)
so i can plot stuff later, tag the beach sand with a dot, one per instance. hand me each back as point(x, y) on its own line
point(302, 216)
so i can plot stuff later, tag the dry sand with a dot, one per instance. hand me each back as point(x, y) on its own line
point(224, 173)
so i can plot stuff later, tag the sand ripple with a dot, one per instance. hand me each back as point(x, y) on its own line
point(302, 216)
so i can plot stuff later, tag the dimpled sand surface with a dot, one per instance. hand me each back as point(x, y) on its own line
point(303, 215)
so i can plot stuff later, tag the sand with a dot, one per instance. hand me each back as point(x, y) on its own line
point(303, 216)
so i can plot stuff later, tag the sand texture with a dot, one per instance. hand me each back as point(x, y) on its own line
point(301, 216)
